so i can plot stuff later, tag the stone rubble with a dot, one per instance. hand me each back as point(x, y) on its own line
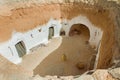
point(100, 74)
point(115, 73)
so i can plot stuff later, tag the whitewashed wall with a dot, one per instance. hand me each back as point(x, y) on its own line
point(8, 49)
point(95, 32)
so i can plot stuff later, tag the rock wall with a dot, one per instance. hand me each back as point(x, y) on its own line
point(101, 19)
point(24, 19)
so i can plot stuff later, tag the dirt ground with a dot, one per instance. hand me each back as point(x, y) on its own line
point(75, 50)
point(30, 61)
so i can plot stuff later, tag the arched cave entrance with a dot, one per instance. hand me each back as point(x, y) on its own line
point(80, 29)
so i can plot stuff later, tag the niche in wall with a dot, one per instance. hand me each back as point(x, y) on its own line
point(62, 32)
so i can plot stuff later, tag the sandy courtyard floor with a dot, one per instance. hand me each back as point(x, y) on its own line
point(33, 59)
point(75, 49)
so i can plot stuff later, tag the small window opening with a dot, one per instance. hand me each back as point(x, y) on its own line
point(39, 30)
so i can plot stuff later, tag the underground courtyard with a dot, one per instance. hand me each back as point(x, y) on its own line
point(59, 40)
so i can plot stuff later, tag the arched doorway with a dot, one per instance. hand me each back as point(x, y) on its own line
point(79, 29)
point(21, 49)
point(51, 33)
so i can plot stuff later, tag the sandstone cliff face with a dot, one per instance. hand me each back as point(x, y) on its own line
point(7, 5)
point(26, 16)
point(24, 19)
